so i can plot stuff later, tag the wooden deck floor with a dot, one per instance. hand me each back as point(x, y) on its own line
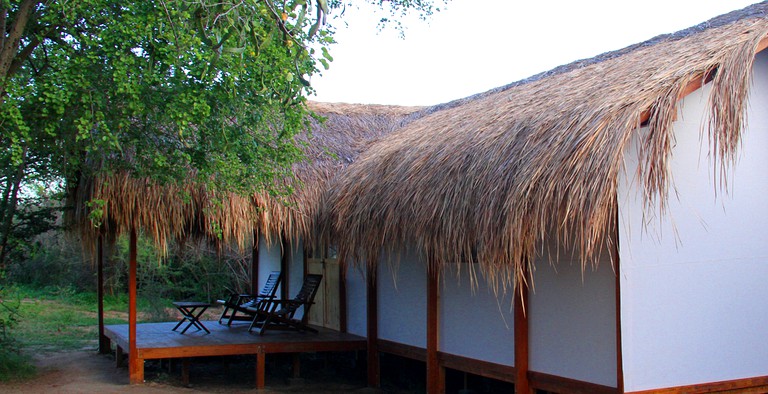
point(158, 341)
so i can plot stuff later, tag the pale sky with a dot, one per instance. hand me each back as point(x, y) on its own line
point(475, 45)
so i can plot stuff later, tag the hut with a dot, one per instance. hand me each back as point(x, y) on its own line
point(273, 225)
point(595, 228)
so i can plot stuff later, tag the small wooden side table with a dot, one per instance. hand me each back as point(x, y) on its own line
point(191, 311)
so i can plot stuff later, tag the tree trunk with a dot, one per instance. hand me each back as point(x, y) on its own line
point(11, 39)
point(10, 209)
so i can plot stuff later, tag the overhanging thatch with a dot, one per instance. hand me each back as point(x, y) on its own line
point(169, 212)
point(489, 178)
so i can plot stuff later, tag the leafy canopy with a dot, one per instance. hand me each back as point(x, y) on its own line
point(209, 91)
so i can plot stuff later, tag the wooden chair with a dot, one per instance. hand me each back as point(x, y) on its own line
point(280, 313)
point(241, 302)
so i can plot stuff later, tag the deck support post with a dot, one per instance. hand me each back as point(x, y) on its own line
point(135, 364)
point(285, 257)
point(435, 372)
point(617, 272)
point(255, 263)
point(185, 371)
point(374, 371)
point(296, 358)
point(522, 383)
point(104, 344)
point(342, 296)
point(119, 356)
point(261, 359)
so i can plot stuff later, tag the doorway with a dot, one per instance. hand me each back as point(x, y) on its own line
point(326, 311)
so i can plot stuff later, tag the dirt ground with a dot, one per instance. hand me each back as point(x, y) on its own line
point(89, 372)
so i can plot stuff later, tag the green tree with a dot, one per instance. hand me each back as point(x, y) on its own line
point(163, 89)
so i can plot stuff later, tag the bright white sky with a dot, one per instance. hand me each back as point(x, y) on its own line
point(475, 45)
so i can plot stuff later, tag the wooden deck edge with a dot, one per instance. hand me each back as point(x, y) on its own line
point(460, 363)
point(231, 349)
point(116, 338)
point(486, 369)
point(402, 350)
point(559, 384)
point(241, 349)
point(757, 384)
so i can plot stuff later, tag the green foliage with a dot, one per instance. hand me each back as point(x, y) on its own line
point(53, 261)
point(13, 363)
point(165, 89)
point(55, 319)
point(189, 272)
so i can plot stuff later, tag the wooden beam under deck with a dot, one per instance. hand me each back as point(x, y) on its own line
point(158, 341)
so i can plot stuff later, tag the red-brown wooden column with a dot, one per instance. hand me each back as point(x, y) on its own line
point(255, 264)
point(342, 296)
point(522, 385)
point(617, 271)
point(135, 364)
point(104, 343)
point(435, 372)
point(374, 372)
point(285, 257)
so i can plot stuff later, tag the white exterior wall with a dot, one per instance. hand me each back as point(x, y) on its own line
point(403, 301)
point(477, 324)
point(269, 260)
point(694, 299)
point(357, 302)
point(296, 268)
point(572, 320)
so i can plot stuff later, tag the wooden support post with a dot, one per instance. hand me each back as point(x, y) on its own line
point(296, 358)
point(119, 356)
point(260, 368)
point(374, 372)
point(342, 296)
point(285, 258)
point(104, 344)
point(522, 384)
point(135, 364)
point(185, 371)
point(435, 372)
point(617, 270)
point(255, 263)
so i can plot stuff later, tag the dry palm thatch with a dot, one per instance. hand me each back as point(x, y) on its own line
point(169, 212)
point(489, 178)
point(347, 130)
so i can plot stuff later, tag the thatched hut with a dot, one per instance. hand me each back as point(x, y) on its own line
point(166, 212)
point(620, 197)
point(279, 223)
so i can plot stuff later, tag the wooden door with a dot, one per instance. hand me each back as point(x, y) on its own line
point(325, 311)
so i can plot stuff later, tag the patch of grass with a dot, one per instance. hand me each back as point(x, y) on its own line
point(56, 319)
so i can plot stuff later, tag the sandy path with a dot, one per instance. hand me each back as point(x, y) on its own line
point(89, 372)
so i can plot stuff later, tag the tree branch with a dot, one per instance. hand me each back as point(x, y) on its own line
point(11, 43)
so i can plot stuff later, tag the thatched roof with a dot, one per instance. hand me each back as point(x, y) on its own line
point(489, 178)
point(169, 212)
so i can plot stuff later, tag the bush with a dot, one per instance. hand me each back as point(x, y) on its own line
point(55, 261)
point(13, 363)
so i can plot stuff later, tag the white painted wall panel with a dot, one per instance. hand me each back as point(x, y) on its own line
point(403, 301)
point(356, 302)
point(296, 268)
point(572, 321)
point(477, 324)
point(269, 260)
point(693, 283)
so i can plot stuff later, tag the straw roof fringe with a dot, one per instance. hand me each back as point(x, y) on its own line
point(169, 212)
point(488, 179)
